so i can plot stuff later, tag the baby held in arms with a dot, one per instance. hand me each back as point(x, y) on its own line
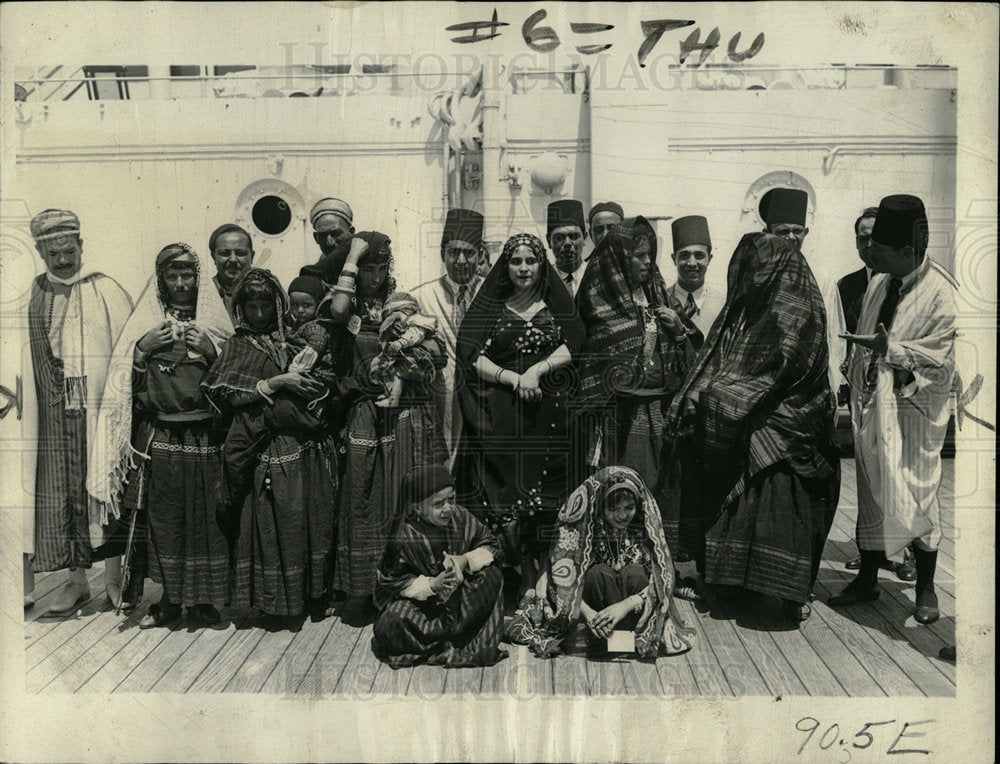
point(404, 329)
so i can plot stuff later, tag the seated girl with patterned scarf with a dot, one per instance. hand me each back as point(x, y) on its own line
point(610, 565)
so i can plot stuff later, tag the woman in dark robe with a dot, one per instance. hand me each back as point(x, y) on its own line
point(514, 467)
point(286, 520)
point(382, 444)
point(170, 470)
point(438, 589)
point(638, 349)
point(757, 412)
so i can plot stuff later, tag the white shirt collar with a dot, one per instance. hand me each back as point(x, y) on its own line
point(698, 294)
point(577, 274)
point(453, 286)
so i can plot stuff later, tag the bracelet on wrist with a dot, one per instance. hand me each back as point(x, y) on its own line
point(349, 270)
point(497, 376)
point(346, 290)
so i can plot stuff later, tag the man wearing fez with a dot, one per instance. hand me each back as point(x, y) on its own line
point(332, 221)
point(847, 299)
point(692, 255)
point(784, 212)
point(900, 372)
point(75, 315)
point(232, 253)
point(447, 298)
point(565, 234)
point(602, 218)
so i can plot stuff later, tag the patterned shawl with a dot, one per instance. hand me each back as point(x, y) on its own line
point(237, 370)
point(760, 392)
point(112, 455)
point(609, 306)
point(544, 620)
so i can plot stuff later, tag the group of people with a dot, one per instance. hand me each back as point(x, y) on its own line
point(577, 427)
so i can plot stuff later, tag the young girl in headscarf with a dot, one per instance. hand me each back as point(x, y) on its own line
point(609, 565)
point(382, 443)
point(514, 463)
point(438, 586)
point(170, 470)
point(286, 499)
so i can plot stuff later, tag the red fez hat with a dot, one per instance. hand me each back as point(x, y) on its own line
point(565, 212)
point(692, 229)
point(901, 221)
point(465, 225)
point(784, 205)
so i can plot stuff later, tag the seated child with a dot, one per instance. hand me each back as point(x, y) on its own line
point(437, 587)
point(403, 330)
point(609, 563)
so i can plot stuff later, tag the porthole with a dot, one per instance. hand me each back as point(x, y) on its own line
point(272, 215)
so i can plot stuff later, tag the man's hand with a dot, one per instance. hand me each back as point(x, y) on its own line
point(606, 620)
point(444, 583)
point(879, 342)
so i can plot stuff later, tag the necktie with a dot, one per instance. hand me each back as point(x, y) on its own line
point(461, 304)
point(886, 314)
point(690, 307)
point(569, 281)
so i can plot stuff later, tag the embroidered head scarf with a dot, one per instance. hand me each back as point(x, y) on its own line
point(544, 620)
point(484, 312)
point(616, 312)
point(111, 455)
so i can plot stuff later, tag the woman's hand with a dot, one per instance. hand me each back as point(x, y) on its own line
point(529, 386)
point(294, 382)
point(156, 338)
point(590, 618)
point(606, 620)
point(196, 340)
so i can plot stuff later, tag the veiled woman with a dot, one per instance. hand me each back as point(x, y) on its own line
point(282, 553)
point(638, 350)
point(159, 442)
point(608, 566)
point(514, 464)
point(757, 413)
point(382, 444)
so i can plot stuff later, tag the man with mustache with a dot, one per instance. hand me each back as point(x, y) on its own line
point(75, 315)
point(447, 298)
point(232, 253)
point(565, 236)
point(332, 221)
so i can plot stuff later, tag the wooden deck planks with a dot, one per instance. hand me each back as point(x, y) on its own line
point(292, 666)
point(743, 648)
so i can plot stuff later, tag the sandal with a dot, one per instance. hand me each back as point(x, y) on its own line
point(687, 589)
point(160, 615)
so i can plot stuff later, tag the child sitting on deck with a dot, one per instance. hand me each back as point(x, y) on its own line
point(609, 563)
point(437, 587)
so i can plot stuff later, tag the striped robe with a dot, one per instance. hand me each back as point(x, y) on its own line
point(462, 631)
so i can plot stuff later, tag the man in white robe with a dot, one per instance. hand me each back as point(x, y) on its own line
point(447, 298)
point(901, 372)
point(74, 318)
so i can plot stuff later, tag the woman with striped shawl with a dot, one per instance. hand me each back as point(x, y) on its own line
point(757, 413)
point(286, 517)
point(637, 352)
point(438, 587)
point(170, 469)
